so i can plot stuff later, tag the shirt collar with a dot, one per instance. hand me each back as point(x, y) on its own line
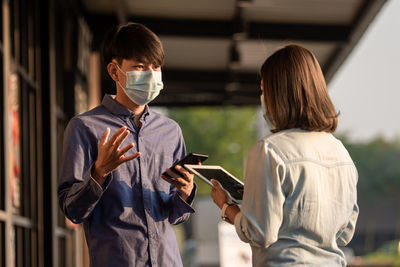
point(118, 109)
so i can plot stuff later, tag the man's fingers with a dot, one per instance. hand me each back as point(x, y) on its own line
point(121, 138)
point(130, 157)
point(171, 181)
point(184, 173)
point(176, 178)
point(104, 137)
point(116, 134)
point(182, 181)
point(126, 149)
point(172, 173)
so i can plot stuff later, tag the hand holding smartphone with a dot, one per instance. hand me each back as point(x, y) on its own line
point(191, 158)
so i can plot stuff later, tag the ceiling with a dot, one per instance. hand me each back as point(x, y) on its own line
point(214, 48)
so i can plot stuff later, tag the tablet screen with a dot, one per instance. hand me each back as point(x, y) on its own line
point(228, 181)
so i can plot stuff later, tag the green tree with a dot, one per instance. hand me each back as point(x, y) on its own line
point(227, 133)
point(378, 165)
point(224, 133)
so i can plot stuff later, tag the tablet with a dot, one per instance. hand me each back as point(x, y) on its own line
point(229, 182)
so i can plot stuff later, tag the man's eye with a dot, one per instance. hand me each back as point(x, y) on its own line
point(139, 67)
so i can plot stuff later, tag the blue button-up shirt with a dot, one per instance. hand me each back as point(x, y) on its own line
point(128, 220)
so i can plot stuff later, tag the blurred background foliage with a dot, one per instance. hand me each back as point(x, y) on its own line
point(378, 165)
point(226, 134)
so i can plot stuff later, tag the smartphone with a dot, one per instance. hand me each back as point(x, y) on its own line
point(191, 158)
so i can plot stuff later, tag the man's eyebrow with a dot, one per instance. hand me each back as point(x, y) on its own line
point(141, 62)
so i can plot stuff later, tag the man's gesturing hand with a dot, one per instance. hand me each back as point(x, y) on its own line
point(110, 155)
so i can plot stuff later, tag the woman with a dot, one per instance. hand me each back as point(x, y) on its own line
point(300, 197)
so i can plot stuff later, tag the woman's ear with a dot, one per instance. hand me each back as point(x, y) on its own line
point(262, 86)
point(113, 71)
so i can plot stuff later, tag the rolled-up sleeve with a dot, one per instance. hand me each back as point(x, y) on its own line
point(261, 213)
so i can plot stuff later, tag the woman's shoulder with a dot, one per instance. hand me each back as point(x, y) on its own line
point(271, 144)
point(283, 138)
point(295, 144)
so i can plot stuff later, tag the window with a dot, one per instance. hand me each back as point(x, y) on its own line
point(2, 245)
point(32, 144)
point(2, 173)
point(23, 133)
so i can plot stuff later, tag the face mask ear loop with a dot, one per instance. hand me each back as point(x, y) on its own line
point(120, 85)
point(119, 68)
point(122, 72)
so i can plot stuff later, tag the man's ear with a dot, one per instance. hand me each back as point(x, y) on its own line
point(112, 71)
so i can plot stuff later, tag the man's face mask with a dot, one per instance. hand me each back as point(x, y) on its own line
point(142, 86)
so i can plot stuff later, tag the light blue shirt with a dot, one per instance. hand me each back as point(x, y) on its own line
point(300, 200)
point(128, 221)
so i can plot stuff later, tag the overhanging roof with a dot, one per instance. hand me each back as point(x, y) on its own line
point(214, 49)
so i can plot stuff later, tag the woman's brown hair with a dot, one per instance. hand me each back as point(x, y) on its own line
point(295, 91)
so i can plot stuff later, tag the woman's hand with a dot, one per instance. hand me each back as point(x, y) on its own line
point(110, 155)
point(220, 197)
point(218, 194)
point(183, 182)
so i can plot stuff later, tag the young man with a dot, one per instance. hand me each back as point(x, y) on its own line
point(113, 159)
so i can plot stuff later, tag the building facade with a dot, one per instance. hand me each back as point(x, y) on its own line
point(48, 77)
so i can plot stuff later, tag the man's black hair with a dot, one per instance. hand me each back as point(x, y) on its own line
point(132, 41)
